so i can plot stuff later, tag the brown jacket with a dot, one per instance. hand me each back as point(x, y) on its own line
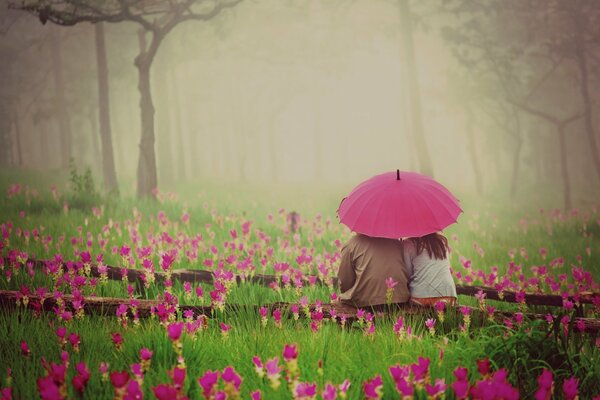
point(365, 265)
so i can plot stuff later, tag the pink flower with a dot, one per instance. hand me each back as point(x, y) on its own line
point(440, 306)
point(178, 377)
point(264, 312)
point(373, 388)
point(25, 349)
point(145, 354)
point(570, 388)
point(390, 283)
point(164, 392)
point(208, 381)
point(461, 385)
point(48, 389)
point(81, 379)
point(329, 393)
point(306, 390)
point(484, 366)
point(290, 352)
point(224, 328)
point(420, 369)
point(399, 372)
point(273, 368)
point(256, 395)
point(258, 366)
point(230, 376)
point(175, 330)
point(437, 389)
point(119, 379)
point(343, 387)
point(544, 391)
point(117, 339)
point(430, 323)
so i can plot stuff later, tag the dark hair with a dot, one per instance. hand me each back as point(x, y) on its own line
point(435, 244)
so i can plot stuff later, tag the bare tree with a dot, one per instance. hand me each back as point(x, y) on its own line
point(157, 18)
point(412, 82)
point(108, 159)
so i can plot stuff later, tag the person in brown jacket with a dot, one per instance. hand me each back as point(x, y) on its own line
point(366, 262)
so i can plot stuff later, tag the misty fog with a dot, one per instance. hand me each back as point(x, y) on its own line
point(277, 92)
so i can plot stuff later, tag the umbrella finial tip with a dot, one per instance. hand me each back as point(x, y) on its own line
point(397, 174)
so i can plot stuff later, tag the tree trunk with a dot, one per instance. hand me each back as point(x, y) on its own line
point(108, 159)
point(165, 158)
point(564, 169)
point(59, 92)
point(473, 152)
point(516, 167)
point(94, 139)
point(412, 82)
point(176, 131)
point(19, 155)
point(587, 104)
point(146, 172)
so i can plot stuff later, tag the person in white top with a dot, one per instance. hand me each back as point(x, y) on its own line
point(426, 259)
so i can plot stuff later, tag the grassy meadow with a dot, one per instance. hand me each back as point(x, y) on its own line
point(518, 246)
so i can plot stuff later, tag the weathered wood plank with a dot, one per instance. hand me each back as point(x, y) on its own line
point(108, 306)
point(202, 276)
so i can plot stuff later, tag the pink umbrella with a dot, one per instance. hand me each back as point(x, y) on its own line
point(399, 204)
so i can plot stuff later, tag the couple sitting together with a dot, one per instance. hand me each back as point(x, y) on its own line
point(419, 266)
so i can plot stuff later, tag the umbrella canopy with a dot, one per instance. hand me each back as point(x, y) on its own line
point(399, 204)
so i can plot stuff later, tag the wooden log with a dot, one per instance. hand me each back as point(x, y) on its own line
point(202, 276)
point(108, 306)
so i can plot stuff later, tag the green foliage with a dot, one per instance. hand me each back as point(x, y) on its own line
point(83, 192)
point(524, 352)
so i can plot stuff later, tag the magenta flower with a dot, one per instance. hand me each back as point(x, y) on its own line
point(208, 382)
point(420, 369)
point(82, 377)
point(373, 388)
point(177, 377)
point(305, 390)
point(117, 340)
point(436, 389)
point(145, 354)
point(264, 312)
point(430, 324)
point(398, 326)
point(343, 387)
point(224, 328)
point(273, 368)
point(119, 379)
point(329, 393)
point(440, 306)
point(484, 366)
point(399, 372)
point(231, 377)
point(390, 283)
point(461, 385)
point(25, 348)
point(175, 330)
point(258, 366)
point(290, 352)
point(48, 389)
point(164, 392)
point(545, 383)
point(571, 388)
point(256, 395)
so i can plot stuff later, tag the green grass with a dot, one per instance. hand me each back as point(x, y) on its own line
point(344, 352)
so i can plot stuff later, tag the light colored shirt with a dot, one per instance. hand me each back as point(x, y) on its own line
point(429, 277)
point(365, 264)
